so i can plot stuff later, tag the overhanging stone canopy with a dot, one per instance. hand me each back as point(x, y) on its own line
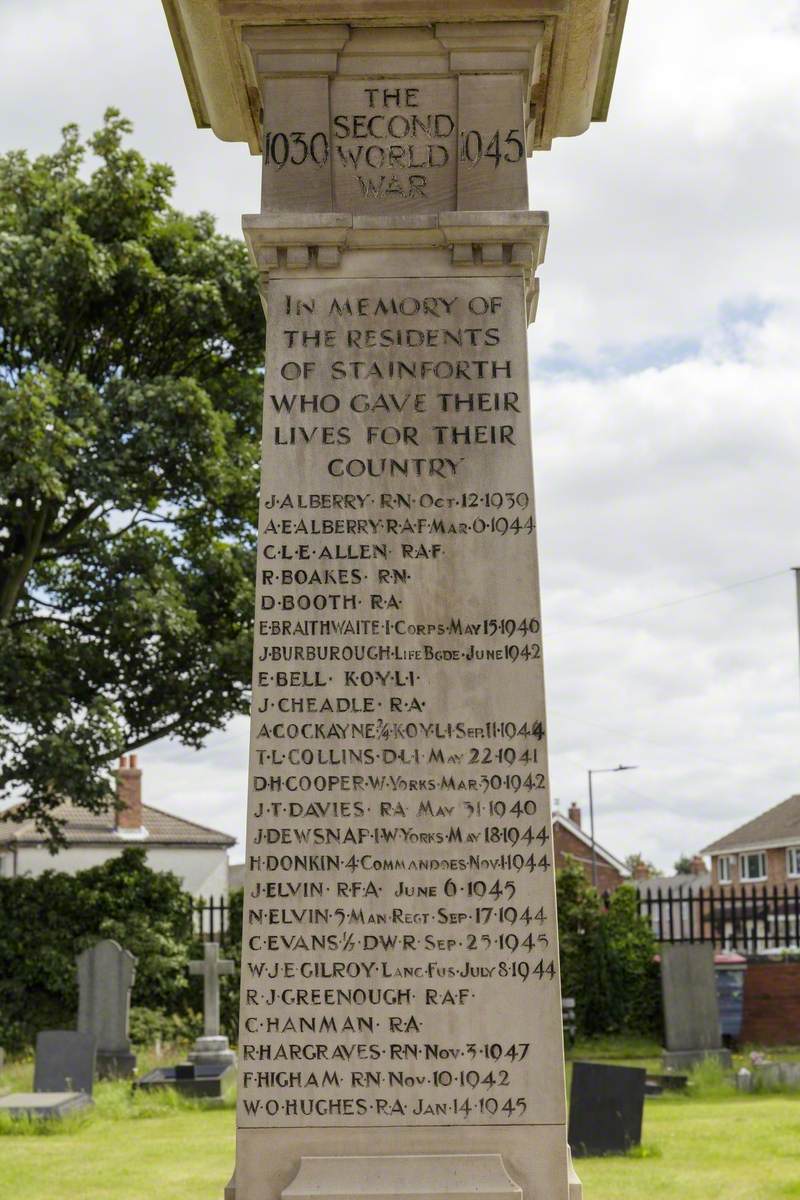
point(570, 79)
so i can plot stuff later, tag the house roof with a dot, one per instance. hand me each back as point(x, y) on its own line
point(560, 819)
point(776, 827)
point(680, 884)
point(98, 829)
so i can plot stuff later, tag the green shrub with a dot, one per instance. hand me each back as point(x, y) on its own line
point(147, 1025)
point(607, 958)
point(47, 921)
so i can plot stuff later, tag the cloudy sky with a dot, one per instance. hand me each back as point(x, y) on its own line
point(666, 398)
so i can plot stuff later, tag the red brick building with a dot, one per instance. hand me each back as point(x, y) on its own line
point(765, 850)
point(570, 839)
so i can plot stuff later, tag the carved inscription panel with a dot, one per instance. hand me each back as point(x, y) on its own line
point(382, 147)
point(394, 145)
point(400, 958)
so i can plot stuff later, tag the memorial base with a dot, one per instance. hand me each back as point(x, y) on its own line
point(44, 1105)
point(205, 1081)
point(212, 1051)
point(450, 1176)
point(684, 1060)
point(115, 1064)
point(575, 1185)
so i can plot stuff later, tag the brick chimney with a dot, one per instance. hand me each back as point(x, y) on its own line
point(698, 865)
point(129, 794)
point(574, 814)
point(641, 871)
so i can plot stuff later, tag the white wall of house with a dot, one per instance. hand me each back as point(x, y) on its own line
point(203, 869)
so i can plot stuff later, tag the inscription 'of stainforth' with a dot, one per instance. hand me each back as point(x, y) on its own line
point(400, 962)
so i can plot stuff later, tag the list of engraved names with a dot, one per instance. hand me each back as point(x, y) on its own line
point(400, 959)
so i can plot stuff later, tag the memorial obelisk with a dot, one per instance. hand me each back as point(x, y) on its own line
point(400, 1027)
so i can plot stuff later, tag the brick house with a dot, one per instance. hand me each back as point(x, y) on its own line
point(765, 850)
point(570, 839)
point(196, 854)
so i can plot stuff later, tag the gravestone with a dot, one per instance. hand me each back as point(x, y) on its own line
point(400, 1023)
point(691, 1013)
point(105, 977)
point(605, 1108)
point(211, 1063)
point(212, 1048)
point(63, 1077)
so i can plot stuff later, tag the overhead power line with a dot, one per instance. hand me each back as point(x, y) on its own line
point(638, 612)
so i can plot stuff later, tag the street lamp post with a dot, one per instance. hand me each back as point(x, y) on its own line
point(598, 771)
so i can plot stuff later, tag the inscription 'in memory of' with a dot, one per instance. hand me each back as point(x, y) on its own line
point(400, 960)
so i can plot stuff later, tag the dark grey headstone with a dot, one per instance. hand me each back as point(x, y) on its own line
point(65, 1062)
point(605, 1108)
point(689, 992)
point(105, 977)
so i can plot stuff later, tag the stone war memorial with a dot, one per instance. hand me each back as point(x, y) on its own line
point(400, 1029)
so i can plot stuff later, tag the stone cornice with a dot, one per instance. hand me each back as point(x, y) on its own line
point(478, 242)
point(579, 52)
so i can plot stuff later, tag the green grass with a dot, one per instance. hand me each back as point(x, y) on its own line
point(128, 1147)
point(739, 1148)
point(712, 1143)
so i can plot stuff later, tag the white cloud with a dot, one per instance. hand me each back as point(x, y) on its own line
point(652, 487)
point(665, 396)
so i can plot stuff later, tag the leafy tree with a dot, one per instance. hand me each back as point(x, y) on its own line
point(131, 347)
point(683, 866)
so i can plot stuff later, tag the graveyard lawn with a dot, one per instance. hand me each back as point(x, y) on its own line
point(694, 1148)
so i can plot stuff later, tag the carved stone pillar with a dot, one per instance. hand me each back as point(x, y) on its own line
point(400, 1025)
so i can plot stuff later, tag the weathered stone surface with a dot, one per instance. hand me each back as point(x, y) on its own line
point(689, 993)
point(605, 1108)
point(105, 977)
point(65, 1061)
point(456, 1176)
point(44, 1105)
point(212, 1050)
point(400, 1011)
point(398, 621)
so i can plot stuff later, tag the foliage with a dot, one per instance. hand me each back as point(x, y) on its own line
point(683, 865)
point(48, 920)
point(607, 958)
point(148, 1025)
point(635, 861)
point(131, 350)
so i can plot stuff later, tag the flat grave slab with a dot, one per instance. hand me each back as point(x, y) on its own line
point(656, 1084)
point(44, 1104)
point(204, 1081)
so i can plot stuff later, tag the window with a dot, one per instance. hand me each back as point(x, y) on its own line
point(753, 867)
point(724, 869)
point(793, 862)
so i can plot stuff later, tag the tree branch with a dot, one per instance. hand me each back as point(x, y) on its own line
point(15, 580)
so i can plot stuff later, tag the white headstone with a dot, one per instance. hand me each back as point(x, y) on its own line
point(212, 1047)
